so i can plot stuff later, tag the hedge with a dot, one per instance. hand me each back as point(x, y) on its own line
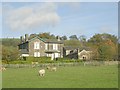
point(28, 60)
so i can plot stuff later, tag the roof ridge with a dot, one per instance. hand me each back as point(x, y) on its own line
point(38, 38)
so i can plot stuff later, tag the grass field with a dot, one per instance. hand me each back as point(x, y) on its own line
point(64, 77)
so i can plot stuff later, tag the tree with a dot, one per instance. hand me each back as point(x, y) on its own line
point(64, 37)
point(119, 51)
point(106, 45)
point(82, 39)
point(10, 42)
point(72, 43)
point(32, 36)
point(9, 53)
point(106, 52)
point(9, 48)
point(45, 35)
point(53, 36)
point(73, 37)
point(98, 38)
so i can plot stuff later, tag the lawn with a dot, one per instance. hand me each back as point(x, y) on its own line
point(64, 77)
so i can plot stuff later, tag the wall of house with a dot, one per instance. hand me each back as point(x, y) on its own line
point(23, 46)
point(55, 47)
point(60, 48)
point(50, 46)
point(72, 55)
point(84, 55)
point(41, 47)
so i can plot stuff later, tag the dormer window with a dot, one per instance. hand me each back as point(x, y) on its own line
point(36, 45)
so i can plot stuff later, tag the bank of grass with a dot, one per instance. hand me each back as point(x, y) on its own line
point(64, 77)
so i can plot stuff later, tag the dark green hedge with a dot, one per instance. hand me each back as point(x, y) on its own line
point(38, 59)
point(28, 60)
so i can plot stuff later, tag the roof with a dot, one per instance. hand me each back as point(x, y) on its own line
point(23, 43)
point(44, 40)
point(70, 48)
point(53, 41)
point(85, 48)
point(80, 48)
point(35, 38)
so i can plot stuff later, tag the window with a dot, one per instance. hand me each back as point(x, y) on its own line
point(36, 54)
point(56, 55)
point(50, 46)
point(36, 45)
point(46, 46)
point(55, 47)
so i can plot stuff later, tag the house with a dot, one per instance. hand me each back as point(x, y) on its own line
point(70, 52)
point(77, 53)
point(38, 47)
point(85, 55)
point(68, 49)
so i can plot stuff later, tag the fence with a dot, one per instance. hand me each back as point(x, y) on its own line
point(88, 63)
point(39, 65)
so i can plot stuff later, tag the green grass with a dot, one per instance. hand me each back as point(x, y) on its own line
point(64, 77)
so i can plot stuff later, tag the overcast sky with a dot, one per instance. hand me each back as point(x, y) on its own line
point(63, 18)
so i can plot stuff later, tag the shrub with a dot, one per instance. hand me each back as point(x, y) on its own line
point(38, 59)
point(17, 62)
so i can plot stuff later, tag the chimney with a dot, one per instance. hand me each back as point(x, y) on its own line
point(58, 38)
point(21, 39)
point(26, 37)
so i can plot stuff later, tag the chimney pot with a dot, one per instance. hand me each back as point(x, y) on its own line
point(26, 37)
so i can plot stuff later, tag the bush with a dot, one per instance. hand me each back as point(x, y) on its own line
point(67, 60)
point(10, 53)
point(17, 62)
point(28, 60)
point(5, 62)
point(39, 59)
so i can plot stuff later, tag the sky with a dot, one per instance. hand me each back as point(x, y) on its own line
point(59, 18)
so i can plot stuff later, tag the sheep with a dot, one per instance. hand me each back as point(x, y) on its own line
point(17, 65)
point(2, 68)
point(34, 64)
point(87, 63)
point(53, 69)
point(42, 72)
point(48, 67)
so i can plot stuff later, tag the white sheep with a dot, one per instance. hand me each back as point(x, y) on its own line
point(34, 64)
point(53, 69)
point(2, 68)
point(42, 72)
point(48, 67)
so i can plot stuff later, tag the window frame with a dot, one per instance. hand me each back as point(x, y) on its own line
point(36, 45)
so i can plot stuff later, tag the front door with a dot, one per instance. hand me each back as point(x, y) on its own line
point(52, 56)
point(56, 55)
